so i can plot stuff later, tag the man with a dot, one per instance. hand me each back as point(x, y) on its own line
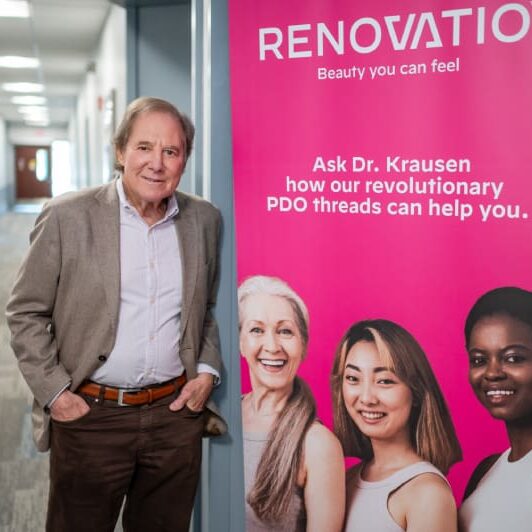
point(111, 323)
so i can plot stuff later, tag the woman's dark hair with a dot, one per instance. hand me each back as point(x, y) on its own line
point(432, 431)
point(507, 300)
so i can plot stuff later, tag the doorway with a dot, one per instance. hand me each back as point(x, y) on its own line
point(33, 176)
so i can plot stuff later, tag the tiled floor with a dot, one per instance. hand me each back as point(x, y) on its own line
point(23, 471)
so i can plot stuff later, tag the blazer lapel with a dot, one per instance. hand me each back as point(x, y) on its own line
point(186, 226)
point(105, 219)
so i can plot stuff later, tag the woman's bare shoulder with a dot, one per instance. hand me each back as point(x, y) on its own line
point(321, 441)
point(429, 491)
point(425, 502)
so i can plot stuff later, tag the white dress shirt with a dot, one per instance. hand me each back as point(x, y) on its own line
point(146, 349)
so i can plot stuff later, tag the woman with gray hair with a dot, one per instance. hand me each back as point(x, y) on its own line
point(294, 469)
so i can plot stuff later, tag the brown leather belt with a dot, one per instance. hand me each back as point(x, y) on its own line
point(132, 396)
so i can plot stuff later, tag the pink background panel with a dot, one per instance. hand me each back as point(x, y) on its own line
point(423, 272)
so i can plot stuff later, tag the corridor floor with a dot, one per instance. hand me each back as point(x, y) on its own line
point(23, 471)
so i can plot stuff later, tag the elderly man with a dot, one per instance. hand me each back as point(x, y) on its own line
point(111, 322)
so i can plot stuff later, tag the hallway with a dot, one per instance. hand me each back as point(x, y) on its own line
point(23, 471)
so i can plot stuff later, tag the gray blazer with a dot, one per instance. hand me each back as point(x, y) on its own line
point(63, 310)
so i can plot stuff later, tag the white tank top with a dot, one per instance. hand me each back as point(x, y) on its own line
point(367, 502)
point(502, 501)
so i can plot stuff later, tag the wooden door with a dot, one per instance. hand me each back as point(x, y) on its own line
point(33, 171)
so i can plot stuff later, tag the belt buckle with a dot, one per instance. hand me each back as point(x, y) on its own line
point(121, 392)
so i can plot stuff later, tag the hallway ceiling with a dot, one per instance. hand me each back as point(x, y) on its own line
point(63, 35)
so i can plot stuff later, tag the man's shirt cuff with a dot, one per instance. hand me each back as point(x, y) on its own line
point(205, 368)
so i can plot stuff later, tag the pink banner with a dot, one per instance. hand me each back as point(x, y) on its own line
point(382, 163)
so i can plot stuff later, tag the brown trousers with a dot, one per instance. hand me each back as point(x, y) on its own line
point(148, 454)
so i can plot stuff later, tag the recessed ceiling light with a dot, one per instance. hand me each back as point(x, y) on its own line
point(14, 8)
point(33, 109)
point(35, 116)
point(14, 61)
point(23, 87)
point(28, 100)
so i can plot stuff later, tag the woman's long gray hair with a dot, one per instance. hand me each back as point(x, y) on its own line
point(279, 466)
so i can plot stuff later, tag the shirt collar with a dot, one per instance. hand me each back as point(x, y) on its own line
point(172, 208)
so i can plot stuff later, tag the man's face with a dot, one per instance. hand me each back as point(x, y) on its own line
point(153, 159)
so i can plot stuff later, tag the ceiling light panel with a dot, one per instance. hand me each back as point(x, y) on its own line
point(22, 87)
point(14, 61)
point(33, 109)
point(14, 8)
point(28, 100)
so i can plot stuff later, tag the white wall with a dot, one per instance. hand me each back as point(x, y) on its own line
point(111, 61)
point(87, 132)
point(86, 114)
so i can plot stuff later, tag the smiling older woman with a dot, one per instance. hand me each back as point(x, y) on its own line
point(498, 333)
point(294, 469)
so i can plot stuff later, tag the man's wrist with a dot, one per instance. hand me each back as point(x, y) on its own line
point(205, 368)
point(214, 378)
point(50, 403)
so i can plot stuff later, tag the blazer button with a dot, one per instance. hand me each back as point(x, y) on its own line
point(102, 358)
